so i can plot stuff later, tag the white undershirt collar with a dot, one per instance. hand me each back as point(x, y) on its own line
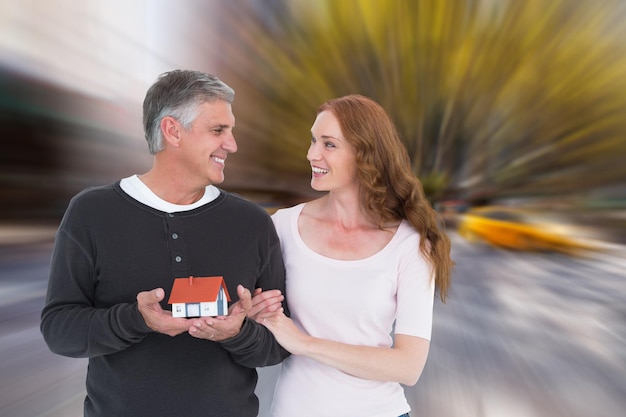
point(135, 188)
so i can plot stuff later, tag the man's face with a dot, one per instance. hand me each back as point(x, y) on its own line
point(209, 140)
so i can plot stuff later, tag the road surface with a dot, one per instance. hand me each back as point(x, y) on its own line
point(522, 335)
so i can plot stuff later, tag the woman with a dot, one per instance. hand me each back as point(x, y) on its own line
point(363, 263)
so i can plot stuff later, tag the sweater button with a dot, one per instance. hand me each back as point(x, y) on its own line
point(178, 259)
point(174, 235)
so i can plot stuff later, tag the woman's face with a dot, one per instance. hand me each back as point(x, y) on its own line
point(332, 158)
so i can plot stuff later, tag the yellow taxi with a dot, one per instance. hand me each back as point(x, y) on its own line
point(519, 229)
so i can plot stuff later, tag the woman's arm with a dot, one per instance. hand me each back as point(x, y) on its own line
point(403, 363)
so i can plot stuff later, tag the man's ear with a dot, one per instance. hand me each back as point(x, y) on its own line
point(171, 129)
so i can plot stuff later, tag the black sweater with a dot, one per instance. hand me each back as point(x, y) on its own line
point(108, 248)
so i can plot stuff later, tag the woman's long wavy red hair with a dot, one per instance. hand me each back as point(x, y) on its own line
point(390, 191)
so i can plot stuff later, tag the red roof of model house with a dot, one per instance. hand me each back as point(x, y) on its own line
point(197, 289)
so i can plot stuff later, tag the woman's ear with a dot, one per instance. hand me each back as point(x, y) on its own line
point(171, 129)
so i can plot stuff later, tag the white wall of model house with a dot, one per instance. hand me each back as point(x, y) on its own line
point(219, 307)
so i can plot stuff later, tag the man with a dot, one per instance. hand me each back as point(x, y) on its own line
point(120, 247)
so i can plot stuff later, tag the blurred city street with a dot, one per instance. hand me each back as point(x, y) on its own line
point(523, 334)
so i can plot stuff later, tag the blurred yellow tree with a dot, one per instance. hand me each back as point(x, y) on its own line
point(494, 98)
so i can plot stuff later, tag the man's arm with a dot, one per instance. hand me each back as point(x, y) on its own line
point(252, 344)
point(70, 323)
point(246, 340)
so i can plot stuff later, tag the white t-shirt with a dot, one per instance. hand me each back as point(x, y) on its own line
point(355, 302)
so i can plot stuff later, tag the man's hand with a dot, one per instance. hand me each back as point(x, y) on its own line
point(265, 303)
point(224, 327)
point(159, 320)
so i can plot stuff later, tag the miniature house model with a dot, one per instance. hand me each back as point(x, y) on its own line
point(199, 297)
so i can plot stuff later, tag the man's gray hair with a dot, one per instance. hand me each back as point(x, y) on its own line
point(179, 94)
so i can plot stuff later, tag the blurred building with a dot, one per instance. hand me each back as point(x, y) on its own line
point(72, 79)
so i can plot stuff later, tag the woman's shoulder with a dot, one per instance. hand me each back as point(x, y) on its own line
point(407, 235)
point(286, 212)
point(284, 217)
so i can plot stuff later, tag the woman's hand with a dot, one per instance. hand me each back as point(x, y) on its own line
point(265, 303)
point(286, 332)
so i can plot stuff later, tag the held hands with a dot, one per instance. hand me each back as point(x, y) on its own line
point(265, 303)
point(267, 309)
point(223, 327)
point(212, 328)
point(159, 320)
